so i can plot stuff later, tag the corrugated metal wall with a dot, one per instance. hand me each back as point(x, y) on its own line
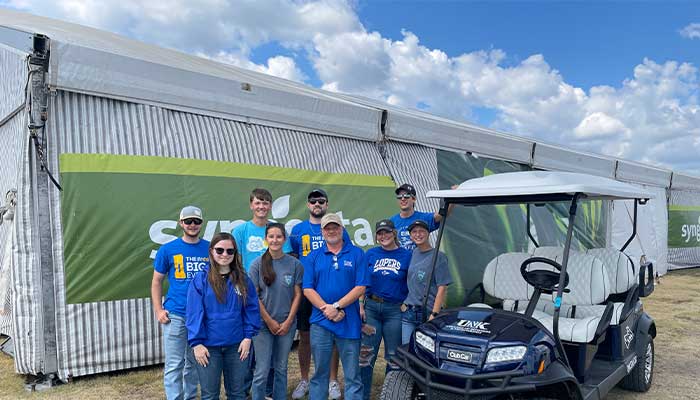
point(12, 135)
point(100, 337)
point(13, 131)
point(14, 76)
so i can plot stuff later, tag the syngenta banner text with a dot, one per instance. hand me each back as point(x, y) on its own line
point(683, 226)
point(117, 211)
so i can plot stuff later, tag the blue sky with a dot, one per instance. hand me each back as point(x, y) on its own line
point(618, 78)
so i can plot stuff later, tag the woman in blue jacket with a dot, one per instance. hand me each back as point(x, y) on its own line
point(381, 309)
point(222, 318)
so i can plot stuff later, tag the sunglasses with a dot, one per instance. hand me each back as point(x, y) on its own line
point(220, 250)
point(190, 221)
point(319, 201)
point(403, 196)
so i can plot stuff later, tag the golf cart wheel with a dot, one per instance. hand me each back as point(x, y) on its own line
point(398, 385)
point(639, 379)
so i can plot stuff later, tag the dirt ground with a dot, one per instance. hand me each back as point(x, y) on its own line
point(675, 305)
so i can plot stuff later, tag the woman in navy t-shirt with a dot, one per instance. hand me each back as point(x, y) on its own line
point(222, 318)
point(381, 309)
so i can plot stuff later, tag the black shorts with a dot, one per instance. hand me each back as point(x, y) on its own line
point(304, 314)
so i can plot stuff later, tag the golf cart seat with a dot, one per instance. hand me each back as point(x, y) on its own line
point(502, 279)
point(589, 286)
point(621, 276)
point(588, 283)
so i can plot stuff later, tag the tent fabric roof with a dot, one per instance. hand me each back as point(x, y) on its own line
point(91, 61)
point(528, 183)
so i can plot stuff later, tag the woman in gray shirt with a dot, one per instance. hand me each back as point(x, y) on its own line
point(418, 274)
point(277, 277)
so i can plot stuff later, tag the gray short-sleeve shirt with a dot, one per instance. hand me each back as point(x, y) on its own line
point(418, 273)
point(277, 298)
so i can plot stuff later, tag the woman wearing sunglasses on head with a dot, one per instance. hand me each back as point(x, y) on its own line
point(381, 309)
point(222, 318)
point(277, 277)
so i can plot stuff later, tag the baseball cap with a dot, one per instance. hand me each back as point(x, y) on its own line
point(419, 222)
point(406, 187)
point(331, 218)
point(191, 212)
point(384, 225)
point(316, 193)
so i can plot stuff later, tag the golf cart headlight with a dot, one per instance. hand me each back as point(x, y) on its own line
point(425, 341)
point(505, 354)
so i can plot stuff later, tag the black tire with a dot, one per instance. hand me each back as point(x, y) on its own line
point(641, 376)
point(398, 385)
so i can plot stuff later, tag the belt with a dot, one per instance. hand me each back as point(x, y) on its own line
point(380, 300)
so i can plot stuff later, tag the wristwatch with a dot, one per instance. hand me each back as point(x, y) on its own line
point(336, 305)
point(434, 314)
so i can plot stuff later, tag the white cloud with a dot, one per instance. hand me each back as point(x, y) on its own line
point(653, 116)
point(691, 31)
point(279, 66)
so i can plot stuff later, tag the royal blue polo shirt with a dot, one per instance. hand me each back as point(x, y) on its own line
point(388, 270)
point(402, 225)
point(333, 276)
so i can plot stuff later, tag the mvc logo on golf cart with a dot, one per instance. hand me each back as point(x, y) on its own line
point(465, 325)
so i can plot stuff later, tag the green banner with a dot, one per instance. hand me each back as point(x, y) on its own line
point(117, 211)
point(475, 235)
point(683, 226)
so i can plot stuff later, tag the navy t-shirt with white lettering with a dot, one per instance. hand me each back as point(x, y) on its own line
point(402, 225)
point(388, 270)
point(180, 261)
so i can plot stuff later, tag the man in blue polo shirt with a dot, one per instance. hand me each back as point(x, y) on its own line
point(180, 260)
point(335, 276)
point(306, 237)
point(406, 197)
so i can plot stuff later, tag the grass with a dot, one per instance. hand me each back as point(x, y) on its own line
point(675, 306)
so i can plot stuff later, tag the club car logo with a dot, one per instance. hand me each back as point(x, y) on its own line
point(628, 337)
point(465, 325)
point(689, 232)
point(457, 355)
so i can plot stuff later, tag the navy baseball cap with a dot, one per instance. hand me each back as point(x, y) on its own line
point(384, 225)
point(406, 187)
point(418, 222)
point(317, 193)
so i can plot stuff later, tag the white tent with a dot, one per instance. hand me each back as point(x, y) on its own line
point(95, 92)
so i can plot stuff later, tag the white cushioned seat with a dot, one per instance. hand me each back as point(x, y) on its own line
point(588, 284)
point(621, 274)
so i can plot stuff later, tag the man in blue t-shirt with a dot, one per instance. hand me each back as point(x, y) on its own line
point(250, 235)
point(180, 260)
point(306, 237)
point(406, 197)
point(335, 276)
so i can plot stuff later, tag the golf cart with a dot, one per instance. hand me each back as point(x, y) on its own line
point(570, 323)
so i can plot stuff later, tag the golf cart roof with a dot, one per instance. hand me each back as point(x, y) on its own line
point(539, 186)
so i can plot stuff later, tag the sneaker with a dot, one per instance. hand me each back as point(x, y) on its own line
point(301, 390)
point(334, 390)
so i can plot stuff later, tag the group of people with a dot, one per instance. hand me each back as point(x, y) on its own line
point(234, 304)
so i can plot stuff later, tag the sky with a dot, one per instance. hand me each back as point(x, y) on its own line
point(615, 78)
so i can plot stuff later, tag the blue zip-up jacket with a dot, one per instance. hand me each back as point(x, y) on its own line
point(215, 324)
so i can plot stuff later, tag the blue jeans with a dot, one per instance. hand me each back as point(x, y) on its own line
point(271, 351)
point(179, 372)
point(227, 360)
point(386, 319)
point(410, 320)
point(322, 341)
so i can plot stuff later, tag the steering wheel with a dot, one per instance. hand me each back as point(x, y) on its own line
point(542, 279)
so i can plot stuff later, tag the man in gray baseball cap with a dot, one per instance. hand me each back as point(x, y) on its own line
point(180, 260)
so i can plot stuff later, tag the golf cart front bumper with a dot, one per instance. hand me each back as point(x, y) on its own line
point(435, 382)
